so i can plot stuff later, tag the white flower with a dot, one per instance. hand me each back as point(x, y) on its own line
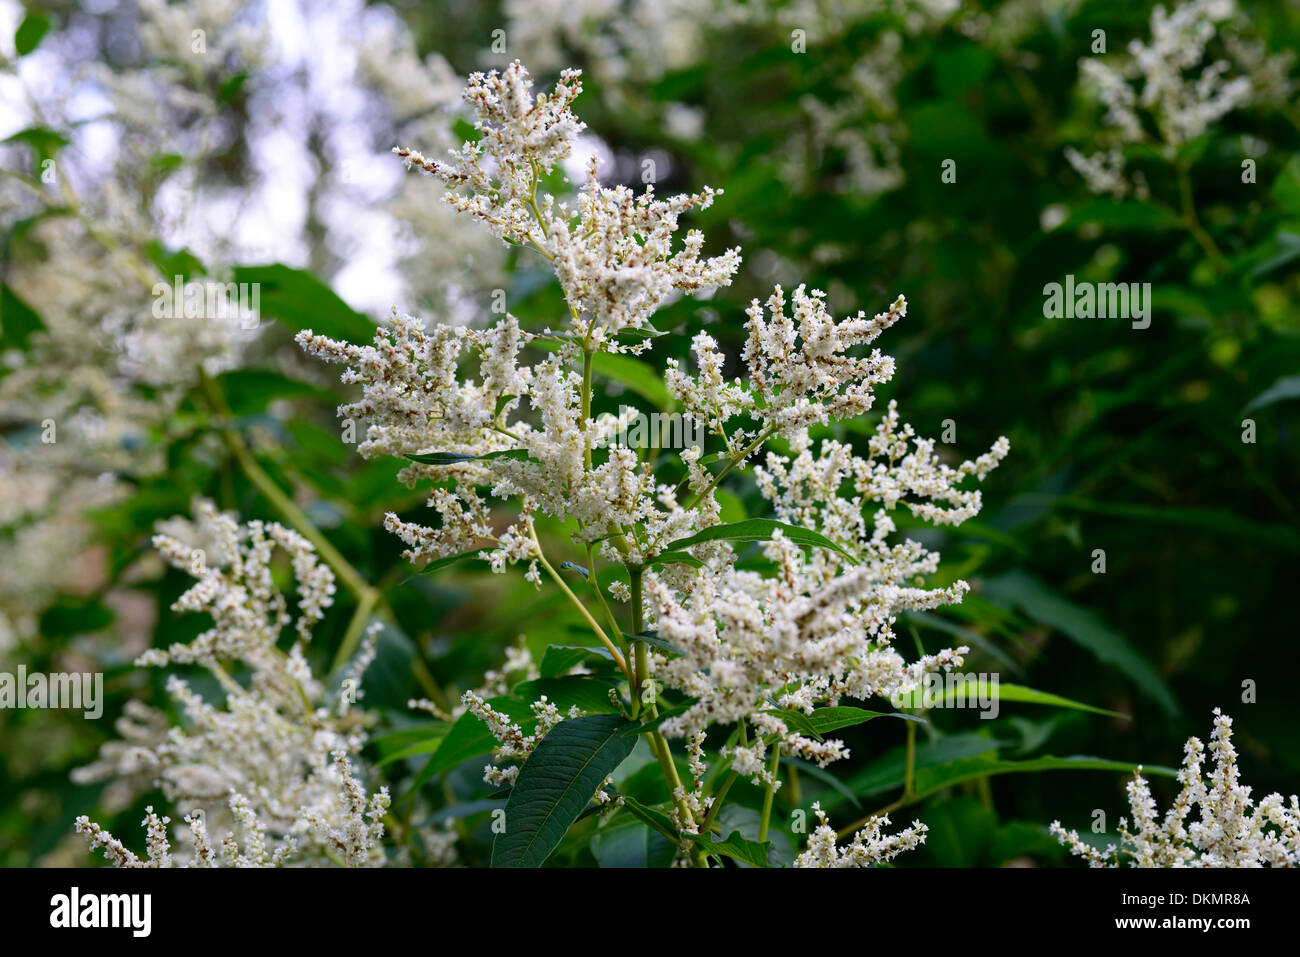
point(816, 629)
point(1168, 82)
point(271, 767)
point(1232, 831)
point(869, 846)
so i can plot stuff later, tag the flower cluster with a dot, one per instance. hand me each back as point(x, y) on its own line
point(802, 630)
point(868, 847)
point(272, 766)
point(92, 228)
point(1169, 81)
point(513, 743)
point(614, 254)
point(1232, 831)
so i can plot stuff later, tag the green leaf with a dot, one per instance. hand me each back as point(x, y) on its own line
point(588, 692)
point(824, 720)
point(1011, 692)
point(69, 619)
point(1278, 251)
point(301, 301)
point(427, 746)
point(1006, 692)
point(936, 778)
point(1286, 191)
point(449, 560)
point(963, 757)
point(757, 530)
point(888, 770)
point(1287, 387)
point(654, 723)
point(731, 507)
point(959, 832)
point(1083, 627)
point(653, 816)
point(748, 822)
point(31, 32)
point(231, 86)
point(44, 142)
point(678, 558)
point(469, 737)
point(736, 847)
point(1121, 216)
point(638, 376)
point(558, 659)
point(165, 163)
point(455, 458)
point(174, 263)
point(556, 783)
point(629, 843)
point(797, 720)
point(17, 320)
point(641, 333)
point(250, 391)
point(652, 639)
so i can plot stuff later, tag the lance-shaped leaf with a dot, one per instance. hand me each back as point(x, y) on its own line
point(755, 530)
point(636, 375)
point(456, 458)
point(557, 782)
point(678, 558)
point(301, 301)
point(970, 691)
point(824, 720)
point(652, 639)
point(736, 847)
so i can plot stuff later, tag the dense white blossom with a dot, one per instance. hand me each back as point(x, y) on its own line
point(868, 846)
point(1231, 829)
point(271, 768)
point(815, 627)
point(1171, 82)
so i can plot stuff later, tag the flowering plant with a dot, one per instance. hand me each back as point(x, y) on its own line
point(1232, 831)
point(720, 639)
point(765, 651)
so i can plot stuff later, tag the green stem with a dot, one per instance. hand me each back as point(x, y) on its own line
point(909, 794)
point(732, 462)
point(640, 664)
point(769, 791)
point(577, 603)
point(356, 627)
point(1193, 222)
point(277, 497)
point(586, 404)
point(658, 743)
point(600, 597)
point(909, 768)
point(716, 806)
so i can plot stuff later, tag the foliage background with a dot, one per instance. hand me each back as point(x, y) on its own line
point(1125, 440)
